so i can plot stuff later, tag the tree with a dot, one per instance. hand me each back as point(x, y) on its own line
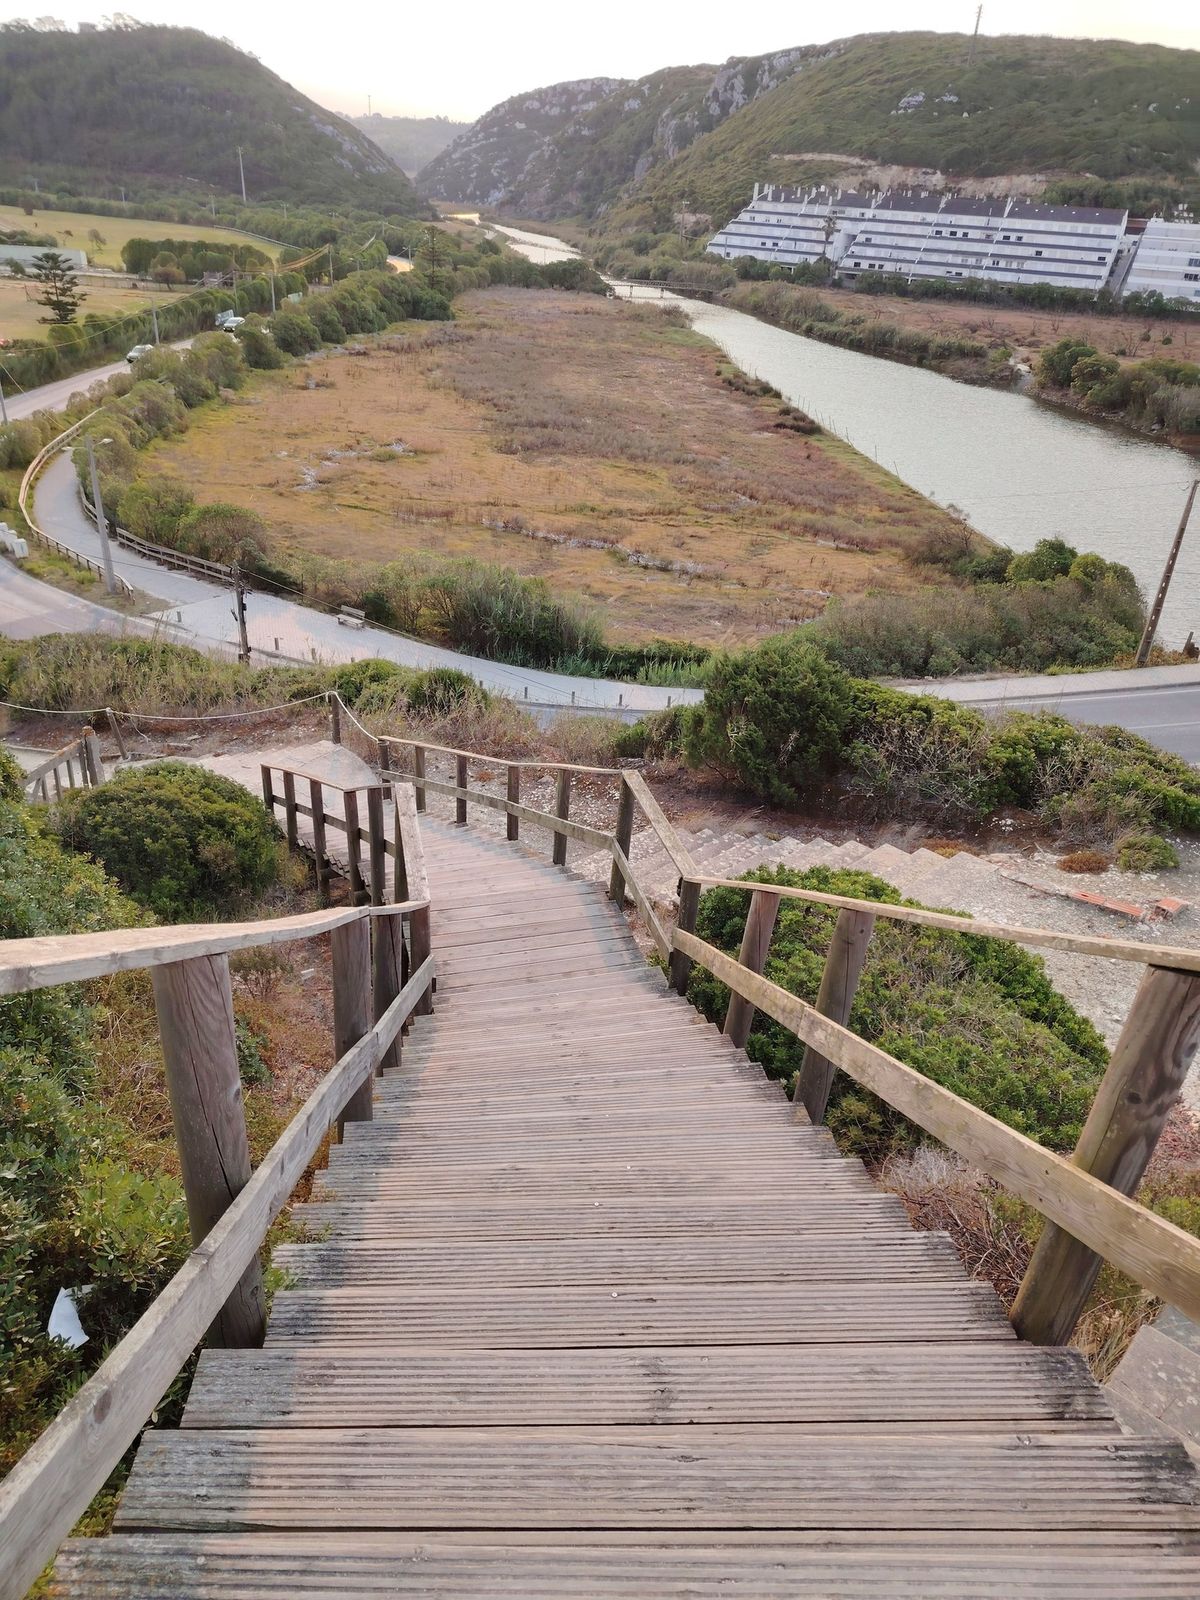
point(434, 255)
point(60, 287)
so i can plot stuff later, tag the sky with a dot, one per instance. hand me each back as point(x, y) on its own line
point(458, 60)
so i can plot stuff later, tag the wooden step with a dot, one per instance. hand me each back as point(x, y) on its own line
point(829, 1564)
point(904, 1384)
point(767, 1476)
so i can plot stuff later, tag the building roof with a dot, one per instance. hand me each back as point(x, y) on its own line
point(1029, 212)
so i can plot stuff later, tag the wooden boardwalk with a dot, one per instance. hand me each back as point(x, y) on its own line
point(587, 1311)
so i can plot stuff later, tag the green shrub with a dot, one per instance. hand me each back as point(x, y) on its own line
point(259, 349)
point(977, 1015)
point(221, 532)
point(12, 778)
point(183, 842)
point(1049, 558)
point(295, 333)
point(656, 737)
point(772, 719)
point(153, 508)
point(1145, 852)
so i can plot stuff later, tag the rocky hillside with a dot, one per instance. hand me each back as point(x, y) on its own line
point(1063, 108)
point(412, 142)
point(167, 108)
point(573, 148)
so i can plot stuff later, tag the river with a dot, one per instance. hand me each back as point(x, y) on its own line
point(1019, 470)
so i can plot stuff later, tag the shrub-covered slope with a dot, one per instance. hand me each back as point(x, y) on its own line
point(123, 105)
point(411, 142)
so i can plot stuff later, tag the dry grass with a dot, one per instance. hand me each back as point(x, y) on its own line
point(1025, 331)
point(20, 314)
point(568, 437)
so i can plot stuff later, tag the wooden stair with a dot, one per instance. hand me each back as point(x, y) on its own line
point(587, 1311)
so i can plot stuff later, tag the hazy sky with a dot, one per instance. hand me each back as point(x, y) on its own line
point(459, 59)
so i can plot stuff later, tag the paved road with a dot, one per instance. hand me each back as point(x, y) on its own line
point(56, 396)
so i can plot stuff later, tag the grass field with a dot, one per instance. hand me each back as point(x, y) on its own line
point(71, 229)
point(20, 316)
point(583, 440)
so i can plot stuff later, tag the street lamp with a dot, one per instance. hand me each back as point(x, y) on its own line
point(110, 581)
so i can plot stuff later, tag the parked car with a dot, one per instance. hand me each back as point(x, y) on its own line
point(138, 351)
point(229, 320)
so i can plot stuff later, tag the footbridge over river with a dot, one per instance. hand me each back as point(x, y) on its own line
point(586, 1305)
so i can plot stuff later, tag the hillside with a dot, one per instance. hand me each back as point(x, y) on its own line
point(573, 147)
point(1061, 107)
point(411, 142)
point(167, 108)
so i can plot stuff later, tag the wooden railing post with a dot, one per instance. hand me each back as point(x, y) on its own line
point(388, 958)
point(289, 808)
point(422, 944)
point(194, 999)
point(90, 750)
point(268, 791)
point(316, 795)
point(460, 800)
point(1143, 1081)
point(385, 766)
point(623, 834)
point(352, 1007)
point(418, 774)
point(376, 847)
point(512, 827)
point(839, 981)
point(358, 889)
point(562, 810)
point(756, 941)
point(335, 717)
point(689, 905)
point(115, 728)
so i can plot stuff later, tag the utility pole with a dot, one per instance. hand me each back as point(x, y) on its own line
point(239, 592)
point(110, 581)
point(1143, 649)
point(154, 319)
point(330, 248)
point(683, 211)
point(272, 279)
point(3, 407)
point(368, 105)
point(975, 35)
point(242, 174)
point(122, 193)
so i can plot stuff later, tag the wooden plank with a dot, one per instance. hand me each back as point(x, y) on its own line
point(1160, 955)
point(461, 790)
point(494, 761)
point(289, 808)
point(320, 848)
point(281, 1388)
point(658, 1477)
point(1141, 1086)
point(53, 1483)
point(685, 922)
point(1097, 1564)
point(512, 825)
point(544, 819)
point(630, 886)
point(352, 1009)
point(562, 808)
point(1155, 1253)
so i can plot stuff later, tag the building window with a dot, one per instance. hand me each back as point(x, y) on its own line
point(1099, 258)
point(1194, 261)
point(938, 233)
point(1037, 252)
point(1191, 277)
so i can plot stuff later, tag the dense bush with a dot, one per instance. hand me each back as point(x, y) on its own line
point(1161, 392)
point(976, 1015)
point(182, 841)
point(773, 718)
point(11, 777)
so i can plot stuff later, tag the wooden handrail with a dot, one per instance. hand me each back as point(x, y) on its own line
point(54, 1482)
point(654, 815)
point(1157, 1254)
point(39, 963)
point(500, 761)
point(1157, 955)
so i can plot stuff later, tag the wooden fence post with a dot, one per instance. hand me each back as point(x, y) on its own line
point(756, 941)
point(839, 981)
point(352, 1007)
point(194, 999)
point(375, 845)
point(93, 764)
point(289, 808)
point(316, 795)
point(358, 888)
point(388, 958)
point(335, 717)
point(418, 774)
point(400, 862)
point(562, 809)
point(623, 834)
point(268, 791)
point(385, 766)
point(689, 905)
point(460, 801)
point(115, 726)
point(422, 944)
point(512, 828)
point(1143, 1081)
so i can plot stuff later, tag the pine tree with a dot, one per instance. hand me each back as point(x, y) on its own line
point(60, 288)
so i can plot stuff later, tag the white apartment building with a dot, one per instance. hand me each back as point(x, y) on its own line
point(921, 234)
point(1167, 260)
